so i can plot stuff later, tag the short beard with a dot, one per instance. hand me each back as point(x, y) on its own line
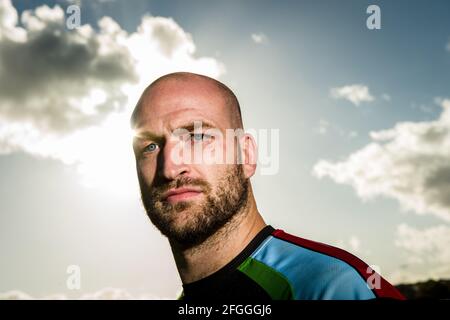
point(219, 207)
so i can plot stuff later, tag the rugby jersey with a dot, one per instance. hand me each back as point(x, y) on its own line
point(276, 265)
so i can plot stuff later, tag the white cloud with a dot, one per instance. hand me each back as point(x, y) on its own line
point(46, 72)
point(386, 97)
point(68, 94)
point(427, 245)
point(426, 108)
point(409, 163)
point(353, 244)
point(260, 38)
point(355, 93)
point(15, 295)
point(323, 126)
point(103, 294)
point(427, 252)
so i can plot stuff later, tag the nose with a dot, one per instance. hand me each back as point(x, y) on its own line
point(171, 162)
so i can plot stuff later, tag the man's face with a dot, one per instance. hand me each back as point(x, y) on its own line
point(188, 201)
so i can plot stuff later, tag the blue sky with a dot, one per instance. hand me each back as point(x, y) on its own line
point(330, 187)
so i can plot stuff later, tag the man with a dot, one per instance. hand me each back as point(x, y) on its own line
point(222, 246)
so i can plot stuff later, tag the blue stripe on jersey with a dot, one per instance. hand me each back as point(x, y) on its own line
point(312, 275)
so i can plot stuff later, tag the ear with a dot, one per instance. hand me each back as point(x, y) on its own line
point(248, 154)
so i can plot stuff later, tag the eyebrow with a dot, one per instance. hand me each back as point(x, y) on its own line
point(146, 135)
point(190, 127)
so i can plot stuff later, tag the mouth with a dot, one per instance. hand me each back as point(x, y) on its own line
point(181, 194)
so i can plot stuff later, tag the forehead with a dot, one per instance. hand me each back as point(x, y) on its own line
point(172, 103)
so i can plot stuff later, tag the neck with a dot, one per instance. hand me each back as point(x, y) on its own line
point(215, 252)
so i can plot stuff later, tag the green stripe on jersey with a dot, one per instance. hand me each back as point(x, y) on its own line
point(276, 285)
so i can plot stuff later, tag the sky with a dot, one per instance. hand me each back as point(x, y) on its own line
point(358, 122)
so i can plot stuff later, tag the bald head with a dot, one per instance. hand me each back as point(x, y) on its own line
point(175, 83)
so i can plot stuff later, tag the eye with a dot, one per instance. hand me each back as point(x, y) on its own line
point(197, 137)
point(151, 147)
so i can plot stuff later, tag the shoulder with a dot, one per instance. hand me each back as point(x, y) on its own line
point(319, 271)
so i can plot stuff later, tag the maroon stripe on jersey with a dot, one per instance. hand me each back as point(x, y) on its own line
point(385, 290)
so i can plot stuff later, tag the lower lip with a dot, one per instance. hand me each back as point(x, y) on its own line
point(182, 196)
